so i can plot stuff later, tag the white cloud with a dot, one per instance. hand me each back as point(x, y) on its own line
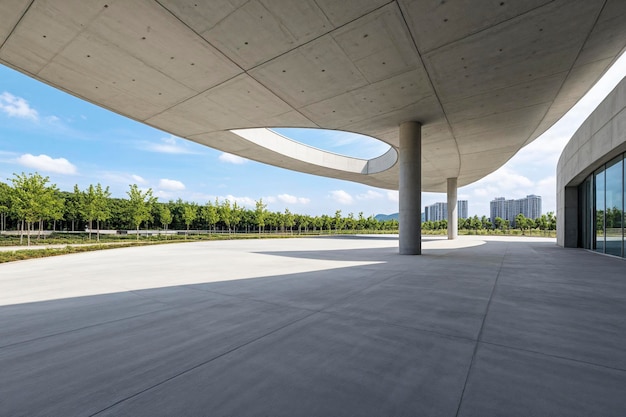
point(546, 188)
point(138, 180)
point(47, 164)
point(269, 199)
point(393, 195)
point(341, 197)
point(504, 181)
point(123, 178)
point(17, 107)
point(171, 185)
point(165, 195)
point(232, 159)
point(369, 195)
point(245, 201)
point(510, 184)
point(168, 145)
point(286, 198)
point(292, 199)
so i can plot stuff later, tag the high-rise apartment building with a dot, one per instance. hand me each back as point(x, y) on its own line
point(507, 209)
point(439, 211)
point(462, 206)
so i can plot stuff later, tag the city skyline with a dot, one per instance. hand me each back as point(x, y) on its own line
point(74, 142)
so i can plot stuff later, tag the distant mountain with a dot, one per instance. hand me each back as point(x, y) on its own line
point(384, 217)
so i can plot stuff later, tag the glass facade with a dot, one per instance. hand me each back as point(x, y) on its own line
point(602, 217)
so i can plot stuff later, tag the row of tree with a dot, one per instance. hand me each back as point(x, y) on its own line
point(544, 222)
point(31, 200)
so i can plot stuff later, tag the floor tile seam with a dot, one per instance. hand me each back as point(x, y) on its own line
point(89, 326)
point(203, 363)
point(549, 355)
point(480, 331)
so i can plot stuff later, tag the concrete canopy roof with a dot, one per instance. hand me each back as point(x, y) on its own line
point(483, 77)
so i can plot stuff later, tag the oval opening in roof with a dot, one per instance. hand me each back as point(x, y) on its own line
point(305, 155)
point(342, 143)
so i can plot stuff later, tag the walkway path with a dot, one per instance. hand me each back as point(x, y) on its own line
point(316, 327)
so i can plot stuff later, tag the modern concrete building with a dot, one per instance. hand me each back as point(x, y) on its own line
point(455, 88)
point(530, 207)
point(439, 211)
point(591, 181)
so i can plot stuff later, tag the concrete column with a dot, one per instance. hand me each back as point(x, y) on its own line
point(453, 217)
point(410, 160)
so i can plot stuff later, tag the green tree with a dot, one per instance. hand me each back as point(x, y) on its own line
point(5, 203)
point(139, 206)
point(271, 220)
point(521, 222)
point(350, 222)
point(551, 220)
point(328, 221)
point(338, 222)
point(542, 223)
point(210, 214)
point(235, 216)
point(318, 223)
point(501, 223)
point(486, 223)
point(30, 199)
point(55, 208)
point(304, 222)
point(289, 220)
point(102, 207)
point(361, 223)
point(88, 207)
point(260, 213)
point(280, 220)
point(190, 213)
point(373, 223)
point(165, 216)
point(225, 213)
point(476, 224)
point(73, 206)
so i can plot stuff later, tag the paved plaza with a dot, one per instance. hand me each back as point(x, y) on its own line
point(480, 326)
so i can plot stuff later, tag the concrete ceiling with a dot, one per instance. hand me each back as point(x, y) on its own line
point(484, 77)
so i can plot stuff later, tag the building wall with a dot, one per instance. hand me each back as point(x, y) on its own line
point(600, 139)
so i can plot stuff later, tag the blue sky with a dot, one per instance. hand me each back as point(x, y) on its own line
point(73, 142)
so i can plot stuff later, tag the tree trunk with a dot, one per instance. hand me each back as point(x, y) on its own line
point(22, 232)
point(29, 226)
point(98, 233)
point(137, 232)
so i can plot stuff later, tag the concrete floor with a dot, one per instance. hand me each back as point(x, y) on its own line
point(316, 327)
